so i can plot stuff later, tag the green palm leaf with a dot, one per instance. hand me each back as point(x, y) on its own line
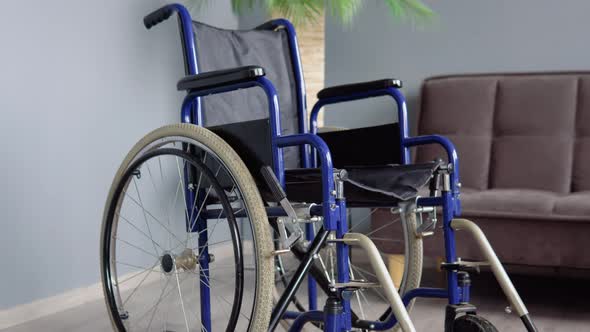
point(309, 11)
point(407, 8)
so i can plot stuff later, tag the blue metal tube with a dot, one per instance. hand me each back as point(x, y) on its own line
point(328, 204)
point(465, 292)
point(406, 141)
point(343, 266)
point(192, 113)
point(300, 83)
point(450, 252)
point(333, 323)
point(291, 314)
point(302, 117)
point(449, 148)
point(200, 226)
point(186, 33)
point(392, 92)
point(425, 292)
point(273, 108)
point(313, 117)
point(187, 38)
point(306, 317)
point(205, 289)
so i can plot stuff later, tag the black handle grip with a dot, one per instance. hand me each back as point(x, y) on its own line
point(158, 16)
point(273, 183)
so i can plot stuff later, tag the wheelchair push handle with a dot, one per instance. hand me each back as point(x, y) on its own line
point(158, 16)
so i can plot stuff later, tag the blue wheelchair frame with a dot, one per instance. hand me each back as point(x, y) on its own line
point(333, 209)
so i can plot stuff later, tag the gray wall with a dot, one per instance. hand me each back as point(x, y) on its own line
point(468, 36)
point(80, 83)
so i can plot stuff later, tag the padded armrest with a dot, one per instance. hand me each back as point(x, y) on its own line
point(215, 79)
point(348, 89)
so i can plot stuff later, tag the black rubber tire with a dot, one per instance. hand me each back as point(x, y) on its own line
point(260, 317)
point(473, 323)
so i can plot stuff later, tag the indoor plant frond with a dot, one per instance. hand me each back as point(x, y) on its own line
point(309, 11)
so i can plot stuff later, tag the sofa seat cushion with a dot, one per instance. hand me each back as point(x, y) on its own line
point(526, 204)
point(575, 204)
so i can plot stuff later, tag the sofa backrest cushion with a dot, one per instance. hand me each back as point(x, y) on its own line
point(513, 130)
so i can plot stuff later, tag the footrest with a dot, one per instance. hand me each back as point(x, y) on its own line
point(358, 284)
point(467, 266)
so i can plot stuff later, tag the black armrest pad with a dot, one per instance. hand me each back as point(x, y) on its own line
point(214, 79)
point(348, 89)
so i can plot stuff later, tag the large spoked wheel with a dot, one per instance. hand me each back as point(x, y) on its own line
point(399, 246)
point(185, 243)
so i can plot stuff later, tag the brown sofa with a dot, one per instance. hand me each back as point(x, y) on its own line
point(524, 146)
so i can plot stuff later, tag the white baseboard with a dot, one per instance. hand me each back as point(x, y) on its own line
point(68, 300)
point(48, 306)
point(61, 302)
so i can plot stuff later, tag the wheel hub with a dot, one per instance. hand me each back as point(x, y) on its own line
point(167, 263)
point(186, 261)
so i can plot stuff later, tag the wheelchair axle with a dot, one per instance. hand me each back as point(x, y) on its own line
point(186, 261)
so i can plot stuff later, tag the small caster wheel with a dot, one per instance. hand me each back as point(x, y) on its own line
point(473, 323)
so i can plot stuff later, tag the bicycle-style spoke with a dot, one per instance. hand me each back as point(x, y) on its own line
point(137, 287)
point(144, 215)
point(154, 306)
point(157, 192)
point(133, 265)
point(362, 272)
point(153, 223)
point(138, 273)
point(181, 300)
point(364, 303)
point(208, 285)
point(358, 298)
point(213, 244)
point(364, 220)
point(204, 200)
point(139, 230)
point(148, 213)
point(382, 227)
point(184, 187)
point(195, 200)
point(136, 247)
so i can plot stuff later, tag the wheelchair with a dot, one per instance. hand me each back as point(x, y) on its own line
point(241, 218)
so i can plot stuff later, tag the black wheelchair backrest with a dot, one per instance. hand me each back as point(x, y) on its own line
point(219, 49)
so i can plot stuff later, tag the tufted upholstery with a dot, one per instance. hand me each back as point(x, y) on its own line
point(524, 145)
point(538, 121)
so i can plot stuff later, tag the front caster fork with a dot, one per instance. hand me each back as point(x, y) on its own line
point(454, 310)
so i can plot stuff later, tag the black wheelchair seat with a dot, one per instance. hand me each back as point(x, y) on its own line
point(375, 176)
point(365, 186)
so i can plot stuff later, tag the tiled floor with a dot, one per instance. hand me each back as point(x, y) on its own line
point(556, 305)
